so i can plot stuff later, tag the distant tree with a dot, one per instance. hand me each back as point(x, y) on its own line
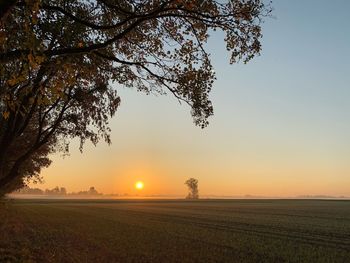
point(59, 57)
point(29, 191)
point(56, 191)
point(92, 191)
point(63, 191)
point(192, 185)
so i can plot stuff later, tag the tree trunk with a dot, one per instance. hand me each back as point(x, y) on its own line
point(5, 7)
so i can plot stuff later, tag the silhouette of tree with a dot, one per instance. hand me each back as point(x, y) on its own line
point(56, 191)
point(29, 191)
point(58, 59)
point(92, 192)
point(192, 185)
point(30, 167)
point(63, 191)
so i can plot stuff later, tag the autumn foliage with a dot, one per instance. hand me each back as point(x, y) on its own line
point(62, 61)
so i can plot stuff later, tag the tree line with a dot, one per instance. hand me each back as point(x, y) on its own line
point(56, 191)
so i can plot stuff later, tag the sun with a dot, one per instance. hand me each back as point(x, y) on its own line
point(139, 185)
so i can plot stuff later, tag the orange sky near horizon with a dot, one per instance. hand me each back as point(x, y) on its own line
point(217, 179)
point(164, 159)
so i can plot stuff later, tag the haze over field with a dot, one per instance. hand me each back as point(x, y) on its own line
point(281, 124)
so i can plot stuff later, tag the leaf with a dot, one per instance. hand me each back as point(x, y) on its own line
point(31, 58)
point(6, 115)
point(12, 81)
point(39, 59)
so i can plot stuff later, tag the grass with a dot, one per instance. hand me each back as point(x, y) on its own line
point(175, 231)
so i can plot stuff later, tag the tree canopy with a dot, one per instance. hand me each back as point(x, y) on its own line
point(60, 59)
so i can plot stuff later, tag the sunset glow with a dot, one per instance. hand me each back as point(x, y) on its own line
point(139, 185)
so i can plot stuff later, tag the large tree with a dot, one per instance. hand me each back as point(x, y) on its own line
point(60, 57)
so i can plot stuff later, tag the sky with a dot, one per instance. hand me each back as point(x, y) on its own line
point(281, 124)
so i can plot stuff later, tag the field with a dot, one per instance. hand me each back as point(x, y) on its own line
point(175, 231)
